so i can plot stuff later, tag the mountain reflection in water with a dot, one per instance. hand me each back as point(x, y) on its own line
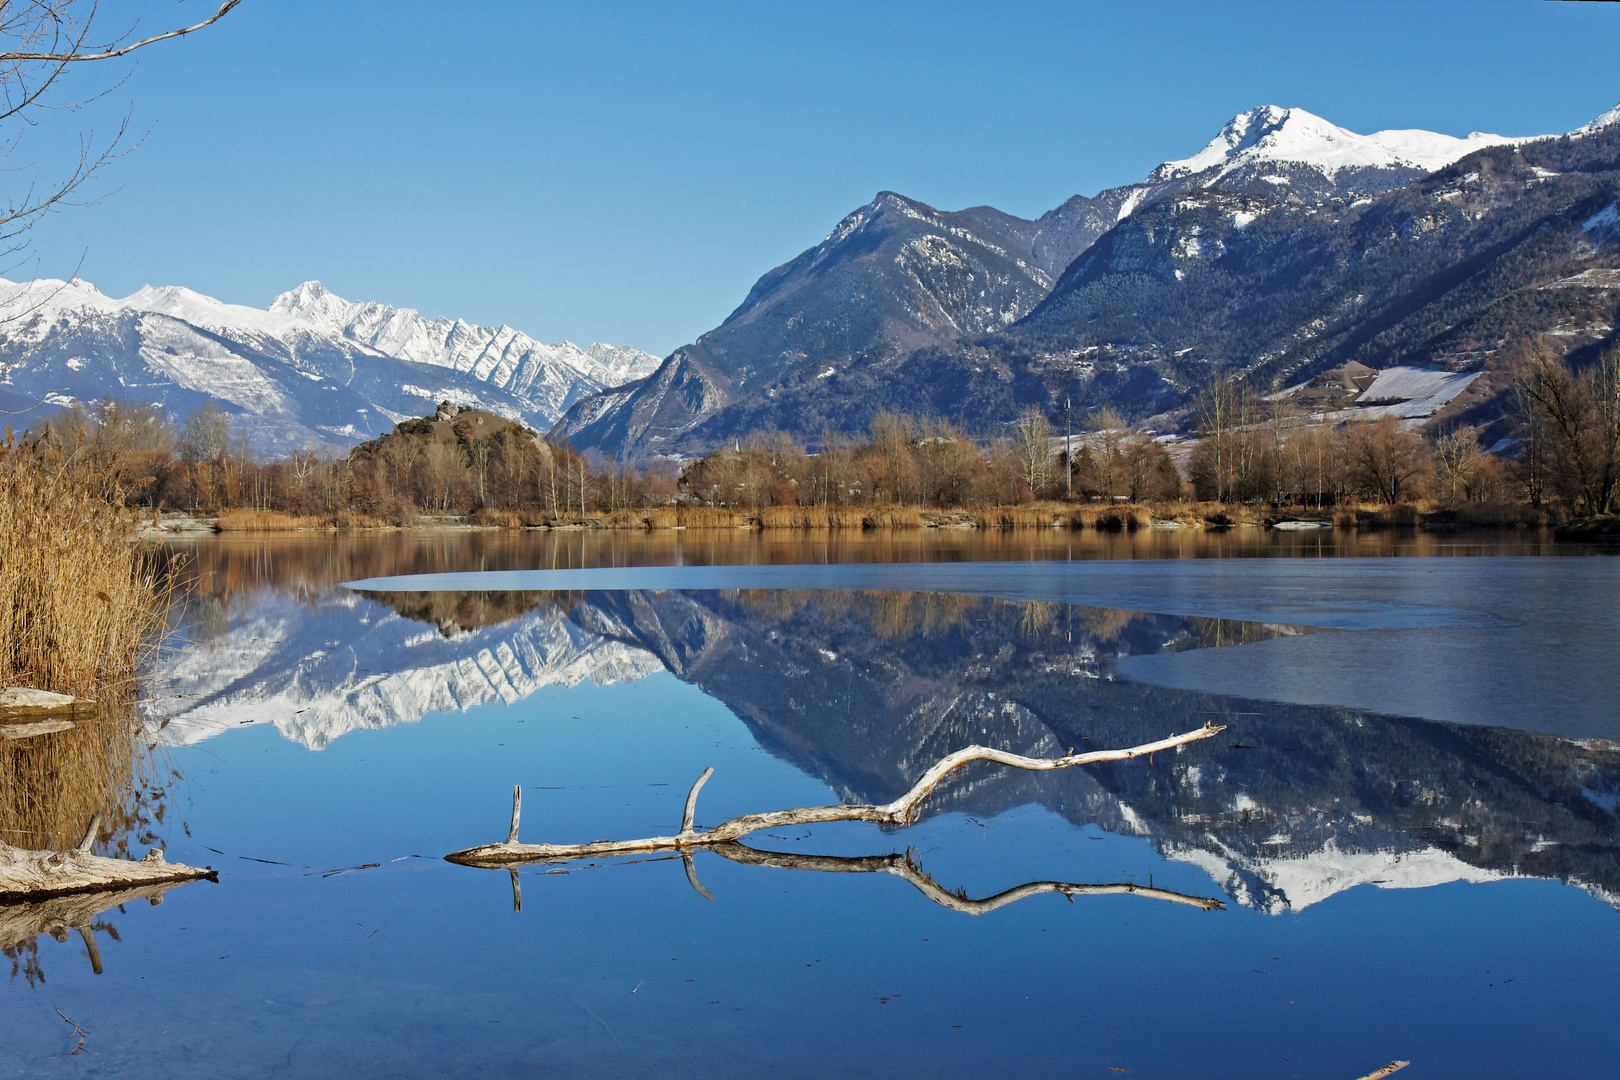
point(864, 690)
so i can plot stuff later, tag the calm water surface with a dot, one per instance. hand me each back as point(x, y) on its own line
point(1409, 823)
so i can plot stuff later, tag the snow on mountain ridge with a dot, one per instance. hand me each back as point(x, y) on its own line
point(1608, 119)
point(501, 355)
point(286, 383)
point(1294, 136)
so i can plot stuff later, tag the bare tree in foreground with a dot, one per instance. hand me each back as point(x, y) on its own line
point(49, 37)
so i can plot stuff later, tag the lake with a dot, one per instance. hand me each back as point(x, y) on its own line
point(1403, 844)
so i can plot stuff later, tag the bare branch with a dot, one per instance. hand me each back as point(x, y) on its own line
point(112, 54)
point(902, 811)
point(1392, 1067)
point(690, 813)
point(31, 875)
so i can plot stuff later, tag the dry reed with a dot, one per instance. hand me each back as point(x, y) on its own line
point(498, 518)
point(79, 603)
point(281, 521)
point(80, 606)
point(711, 517)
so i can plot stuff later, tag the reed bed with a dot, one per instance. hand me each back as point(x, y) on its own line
point(1098, 516)
point(80, 607)
point(281, 521)
point(1028, 516)
point(79, 604)
point(499, 518)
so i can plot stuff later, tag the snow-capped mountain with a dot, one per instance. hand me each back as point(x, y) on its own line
point(499, 355)
point(287, 380)
point(894, 308)
point(1294, 137)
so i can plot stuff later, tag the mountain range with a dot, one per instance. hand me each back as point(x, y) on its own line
point(1285, 247)
point(311, 369)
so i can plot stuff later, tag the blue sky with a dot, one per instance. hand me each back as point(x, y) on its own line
point(624, 171)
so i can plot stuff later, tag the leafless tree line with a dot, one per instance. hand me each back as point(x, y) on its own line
point(1564, 447)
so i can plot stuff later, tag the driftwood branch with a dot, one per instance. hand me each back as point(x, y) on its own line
point(89, 840)
point(689, 815)
point(1392, 1067)
point(36, 875)
point(902, 811)
point(26, 713)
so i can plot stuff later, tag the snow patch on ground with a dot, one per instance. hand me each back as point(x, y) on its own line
point(1409, 392)
point(1607, 220)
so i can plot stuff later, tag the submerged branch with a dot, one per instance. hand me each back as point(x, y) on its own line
point(902, 811)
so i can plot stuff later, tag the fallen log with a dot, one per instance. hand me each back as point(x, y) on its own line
point(902, 811)
point(1392, 1067)
point(26, 712)
point(37, 875)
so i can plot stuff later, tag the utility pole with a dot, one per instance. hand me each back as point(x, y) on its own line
point(1068, 453)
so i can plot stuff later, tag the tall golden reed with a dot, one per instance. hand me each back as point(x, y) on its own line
point(79, 603)
point(79, 607)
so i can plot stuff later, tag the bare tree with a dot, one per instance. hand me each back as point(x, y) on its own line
point(1460, 459)
point(1217, 411)
point(1580, 417)
point(400, 453)
point(206, 435)
point(1388, 458)
point(892, 436)
point(1032, 445)
point(48, 37)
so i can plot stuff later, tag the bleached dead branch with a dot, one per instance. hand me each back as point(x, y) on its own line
point(1392, 1067)
point(36, 875)
point(902, 811)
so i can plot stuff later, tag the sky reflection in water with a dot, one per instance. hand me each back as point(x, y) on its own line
point(1395, 887)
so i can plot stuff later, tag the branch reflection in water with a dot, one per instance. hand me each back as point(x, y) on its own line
point(21, 925)
point(904, 865)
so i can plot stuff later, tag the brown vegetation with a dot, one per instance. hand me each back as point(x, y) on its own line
point(1254, 457)
point(78, 603)
point(79, 608)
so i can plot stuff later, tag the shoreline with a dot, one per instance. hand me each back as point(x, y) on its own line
point(1120, 518)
